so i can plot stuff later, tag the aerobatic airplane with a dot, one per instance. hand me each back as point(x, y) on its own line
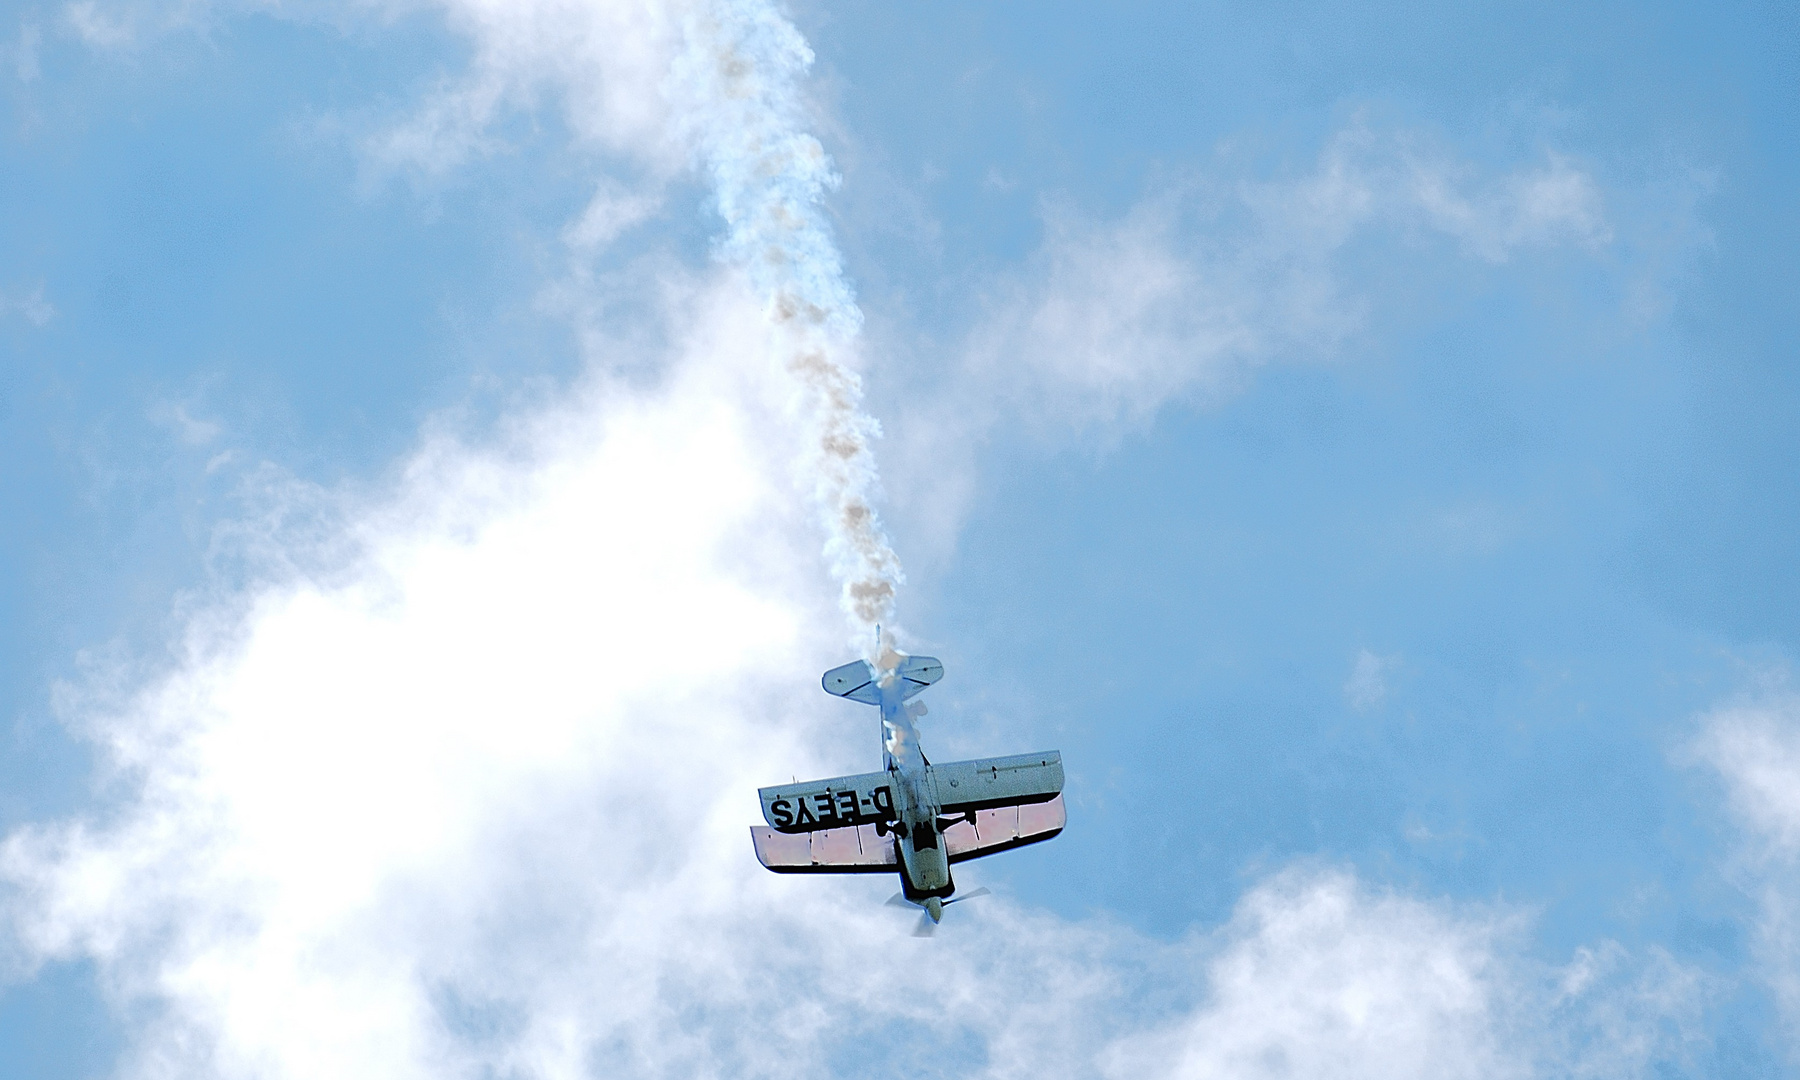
point(915, 817)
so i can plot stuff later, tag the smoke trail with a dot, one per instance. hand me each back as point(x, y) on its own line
point(738, 76)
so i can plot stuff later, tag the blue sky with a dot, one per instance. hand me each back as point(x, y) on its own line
point(1358, 437)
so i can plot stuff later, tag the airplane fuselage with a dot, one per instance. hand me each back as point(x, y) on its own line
point(924, 861)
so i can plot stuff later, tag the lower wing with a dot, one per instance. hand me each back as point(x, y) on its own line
point(860, 850)
point(985, 832)
point(855, 850)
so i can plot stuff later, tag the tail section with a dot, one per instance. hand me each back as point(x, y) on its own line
point(859, 681)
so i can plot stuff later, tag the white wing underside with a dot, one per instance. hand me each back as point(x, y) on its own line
point(860, 850)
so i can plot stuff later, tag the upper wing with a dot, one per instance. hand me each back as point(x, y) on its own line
point(963, 786)
point(829, 851)
point(866, 798)
point(860, 850)
point(829, 804)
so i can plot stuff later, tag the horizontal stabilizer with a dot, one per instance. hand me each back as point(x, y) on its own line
point(919, 672)
point(856, 681)
point(1003, 781)
point(830, 851)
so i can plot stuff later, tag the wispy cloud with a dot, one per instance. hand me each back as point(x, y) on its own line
point(174, 416)
point(24, 51)
point(1367, 686)
point(611, 212)
point(1544, 205)
point(100, 26)
point(1206, 280)
point(605, 64)
point(31, 305)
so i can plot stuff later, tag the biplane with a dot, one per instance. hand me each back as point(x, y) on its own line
point(914, 818)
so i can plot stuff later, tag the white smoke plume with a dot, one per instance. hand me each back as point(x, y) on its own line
point(737, 90)
point(716, 84)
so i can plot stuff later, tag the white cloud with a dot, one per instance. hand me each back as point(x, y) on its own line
point(540, 693)
point(1322, 980)
point(1319, 977)
point(1754, 744)
point(1120, 320)
point(1756, 747)
point(1199, 284)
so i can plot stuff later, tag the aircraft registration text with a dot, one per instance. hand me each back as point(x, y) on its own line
point(842, 802)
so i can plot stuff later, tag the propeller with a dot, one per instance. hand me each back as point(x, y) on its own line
point(928, 918)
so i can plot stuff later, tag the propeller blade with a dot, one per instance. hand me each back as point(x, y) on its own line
point(926, 927)
point(983, 891)
point(900, 900)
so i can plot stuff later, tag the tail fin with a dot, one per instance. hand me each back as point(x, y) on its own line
point(856, 681)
